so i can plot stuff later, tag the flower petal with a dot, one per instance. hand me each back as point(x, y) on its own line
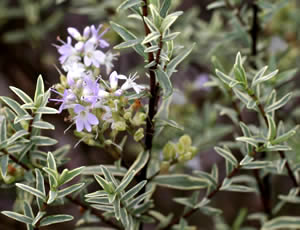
point(79, 125)
point(74, 33)
point(113, 80)
point(78, 108)
point(92, 119)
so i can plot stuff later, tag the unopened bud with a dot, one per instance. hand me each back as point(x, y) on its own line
point(139, 134)
point(119, 125)
point(169, 151)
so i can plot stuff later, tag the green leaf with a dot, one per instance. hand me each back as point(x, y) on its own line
point(278, 104)
point(15, 106)
point(164, 8)
point(128, 44)
point(226, 79)
point(139, 163)
point(259, 78)
point(256, 165)
point(124, 217)
point(164, 82)
point(70, 175)
point(215, 5)
point(47, 110)
point(3, 130)
point(133, 191)
point(38, 217)
point(168, 21)
point(272, 128)
point(52, 177)
point(40, 184)
point(96, 169)
point(207, 176)
point(125, 181)
point(171, 67)
point(151, 37)
point(181, 181)
point(239, 71)
point(18, 217)
point(28, 210)
point(117, 208)
point(108, 176)
point(66, 191)
point(282, 222)
point(39, 90)
point(245, 98)
point(19, 134)
point(43, 125)
point(52, 196)
point(51, 162)
point(150, 25)
point(55, 219)
point(238, 188)
point(225, 153)
point(43, 141)
point(104, 184)
point(284, 137)
point(127, 35)
point(25, 117)
point(21, 94)
point(128, 4)
point(31, 190)
point(4, 164)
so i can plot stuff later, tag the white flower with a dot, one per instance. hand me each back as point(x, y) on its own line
point(76, 71)
point(92, 56)
point(108, 61)
point(129, 83)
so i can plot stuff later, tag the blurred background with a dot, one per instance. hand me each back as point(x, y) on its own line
point(30, 28)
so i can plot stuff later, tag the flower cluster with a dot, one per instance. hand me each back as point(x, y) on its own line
point(88, 97)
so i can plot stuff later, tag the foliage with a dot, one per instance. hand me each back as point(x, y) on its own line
point(158, 121)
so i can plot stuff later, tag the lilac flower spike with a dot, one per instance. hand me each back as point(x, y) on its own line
point(84, 119)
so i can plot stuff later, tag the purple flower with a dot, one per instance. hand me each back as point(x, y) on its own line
point(92, 56)
point(76, 35)
point(68, 98)
point(91, 91)
point(66, 50)
point(84, 118)
point(201, 79)
point(96, 38)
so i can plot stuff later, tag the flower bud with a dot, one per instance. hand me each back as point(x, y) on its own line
point(186, 141)
point(180, 148)
point(139, 134)
point(139, 119)
point(127, 115)
point(119, 125)
point(169, 151)
point(185, 157)
point(108, 142)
